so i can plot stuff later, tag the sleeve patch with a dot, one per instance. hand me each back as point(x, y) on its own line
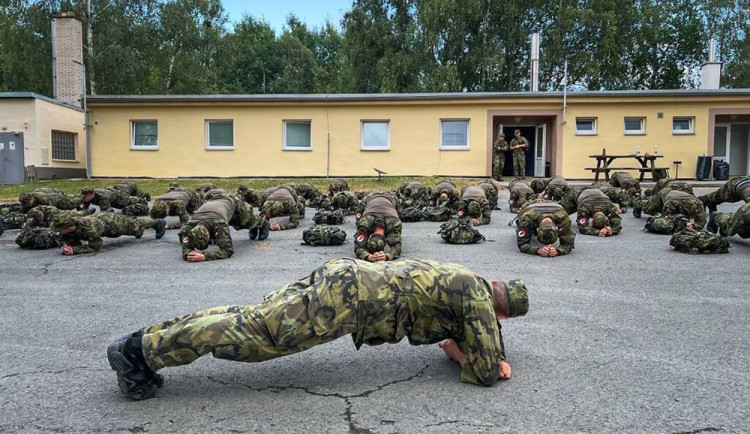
point(461, 213)
point(522, 233)
point(184, 240)
point(360, 238)
point(583, 220)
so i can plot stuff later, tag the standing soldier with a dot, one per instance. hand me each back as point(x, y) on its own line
point(733, 191)
point(378, 226)
point(520, 193)
point(597, 215)
point(111, 197)
point(210, 223)
point(500, 147)
point(177, 202)
point(346, 202)
point(730, 224)
point(519, 145)
point(475, 205)
point(92, 229)
point(490, 190)
point(47, 196)
point(550, 223)
point(281, 201)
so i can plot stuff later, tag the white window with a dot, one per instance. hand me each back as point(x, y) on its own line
point(682, 125)
point(64, 145)
point(297, 136)
point(376, 136)
point(585, 126)
point(220, 135)
point(635, 126)
point(144, 135)
point(454, 134)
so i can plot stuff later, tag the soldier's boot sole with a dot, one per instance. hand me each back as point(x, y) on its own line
point(636, 212)
point(264, 231)
point(135, 381)
point(711, 207)
point(711, 225)
point(2, 227)
point(160, 228)
point(253, 233)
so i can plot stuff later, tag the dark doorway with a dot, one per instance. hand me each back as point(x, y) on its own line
point(527, 132)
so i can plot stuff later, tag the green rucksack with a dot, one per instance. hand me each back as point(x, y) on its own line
point(38, 238)
point(324, 217)
point(136, 210)
point(411, 214)
point(698, 242)
point(458, 231)
point(323, 235)
point(438, 214)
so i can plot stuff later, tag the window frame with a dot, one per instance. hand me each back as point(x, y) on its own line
point(362, 146)
point(52, 146)
point(467, 146)
point(133, 146)
point(594, 122)
point(207, 124)
point(284, 146)
point(641, 132)
point(691, 131)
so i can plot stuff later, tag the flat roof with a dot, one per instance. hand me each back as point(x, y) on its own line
point(130, 99)
point(32, 95)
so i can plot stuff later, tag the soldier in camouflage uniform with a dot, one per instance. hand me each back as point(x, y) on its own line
point(556, 189)
point(308, 193)
point(414, 194)
point(735, 190)
point(490, 190)
point(251, 196)
point(42, 215)
point(76, 230)
point(177, 202)
point(678, 205)
point(698, 242)
point(730, 224)
point(474, 204)
point(11, 216)
point(446, 195)
point(210, 223)
point(424, 301)
point(626, 183)
point(652, 201)
point(132, 189)
point(205, 187)
point(48, 196)
point(499, 148)
point(36, 234)
point(111, 197)
point(616, 195)
point(519, 145)
point(346, 202)
point(520, 193)
point(337, 185)
point(549, 222)
point(539, 185)
point(378, 227)
point(597, 215)
point(282, 201)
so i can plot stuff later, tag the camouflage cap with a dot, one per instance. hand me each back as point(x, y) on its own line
point(159, 209)
point(599, 221)
point(378, 223)
point(518, 298)
point(340, 200)
point(24, 197)
point(87, 190)
point(444, 196)
point(199, 236)
point(62, 221)
point(273, 208)
point(547, 233)
point(557, 192)
point(474, 209)
point(375, 243)
point(242, 187)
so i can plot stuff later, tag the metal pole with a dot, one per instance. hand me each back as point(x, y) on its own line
point(565, 92)
point(86, 122)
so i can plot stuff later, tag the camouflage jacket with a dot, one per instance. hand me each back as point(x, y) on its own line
point(528, 221)
point(41, 215)
point(352, 203)
point(393, 228)
point(52, 197)
point(378, 303)
point(522, 141)
point(219, 231)
point(500, 146)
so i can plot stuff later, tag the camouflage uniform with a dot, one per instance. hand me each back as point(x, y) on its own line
point(591, 201)
point(528, 223)
point(616, 195)
point(698, 242)
point(482, 211)
point(93, 228)
point(490, 190)
point(378, 303)
point(677, 205)
point(337, 185)
point(11, 216)
point(345, 201)
point(181, 202)
point(205, 187)
point(308, 192)
point(111, 197)
point(42, 215)
point(414, 194)
point(446, 195)
point(499, 148)
point(556, 188)
point(48, 196)
point(38, 239)
point(734, 190)
point(625, 182)
point(282, 201)
point(220, 211)
point(520, 193)
point(653, 201)
point(519, 157)
point(378, 209)
point(737, 223)
point(539, 185)
point(132, 189)
point(251, 196)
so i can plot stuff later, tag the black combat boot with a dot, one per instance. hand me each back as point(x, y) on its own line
point(135, 378)
point(711, 225)
point(253, 233)
point(265, 229)
point(636, 211)
point(160, 228)
point(2, 226)
point(711, 207)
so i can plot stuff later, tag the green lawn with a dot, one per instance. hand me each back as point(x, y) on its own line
point(159, 186)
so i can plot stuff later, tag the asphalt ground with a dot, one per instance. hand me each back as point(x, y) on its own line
point(623, 335)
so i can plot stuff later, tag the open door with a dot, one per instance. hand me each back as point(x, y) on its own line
point(540, 150)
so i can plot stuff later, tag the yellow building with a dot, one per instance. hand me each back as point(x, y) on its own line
point(411, 134)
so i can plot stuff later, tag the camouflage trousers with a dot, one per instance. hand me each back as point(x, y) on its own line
point(519, 165)
point(498, 165)
point(698, 242)
point(315, 310)
point(737, 223)
point(119, 225)
point(727, 193)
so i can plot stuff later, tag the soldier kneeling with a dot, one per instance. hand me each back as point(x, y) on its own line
point(550, 223)
point(92, 229)
point(378, 226)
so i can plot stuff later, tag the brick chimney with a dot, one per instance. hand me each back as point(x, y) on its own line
point(67, 46)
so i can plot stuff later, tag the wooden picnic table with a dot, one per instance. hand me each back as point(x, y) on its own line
point(647, 162)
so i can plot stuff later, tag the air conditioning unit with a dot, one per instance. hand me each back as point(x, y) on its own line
point(45, 156)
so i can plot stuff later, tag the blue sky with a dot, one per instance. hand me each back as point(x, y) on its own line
point(312, 12)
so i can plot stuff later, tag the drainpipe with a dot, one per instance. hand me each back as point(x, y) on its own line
point(328, 135)
point(565, 93)
point(534, 87)
point(86, 125)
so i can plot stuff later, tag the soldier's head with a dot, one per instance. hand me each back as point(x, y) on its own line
point(199, 236)
point(159, 210)
point(509, 299)
point(443, 197)
point(242, 189)
point(340, 201)
point(87, 194)
point(599, 220)
point(376, 242)
point(546, 233)
point(215, 194)
point(407, 191)
point(517, 133)
point(501, 135)
point(173, 185)
point(474, 209)
point(63, 223)
point(27, 201)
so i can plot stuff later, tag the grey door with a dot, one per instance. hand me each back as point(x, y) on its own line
point(11, 158)
point(738, 155)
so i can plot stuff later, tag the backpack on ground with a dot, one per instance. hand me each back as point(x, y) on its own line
point(438, 214)
point(324, 217)
point(38, 239)
point(458, 231)
point(411, 214)
point(323, 235)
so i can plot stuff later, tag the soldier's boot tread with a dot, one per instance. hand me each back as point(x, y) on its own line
point(636, 211)
point(160, 226)
point(711, 225)
point(134, 378)
point(265, 230)
point(253, 233)
point(2, 226)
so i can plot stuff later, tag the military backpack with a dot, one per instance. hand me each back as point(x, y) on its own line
point(324, 217)
point(460, 231)
point(438, 214)
point(38, 238)
point(323, 235)
point(411, 214)
point(698, 242)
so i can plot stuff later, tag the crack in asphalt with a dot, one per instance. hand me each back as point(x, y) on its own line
point(461, 423)
point(75, 368)
point(45, 267)
point(700, 430)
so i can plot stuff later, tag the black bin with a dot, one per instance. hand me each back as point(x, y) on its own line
point(547, 169)
point(703, 168)
point(721, 170)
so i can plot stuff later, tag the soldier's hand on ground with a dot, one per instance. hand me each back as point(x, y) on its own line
point(505, 370)
point(275, 226)
point(542, 251)
point(552, 251)
point(689, 225)
point(67, 250)
point(609, 230)
point(603, 232)
point(474, 222)
point(196, 257)
point(452, 351)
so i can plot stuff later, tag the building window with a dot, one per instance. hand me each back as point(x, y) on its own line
point(64, 145)
point(220, 135)
point(376, 135)
point(144, 135)
point(585, 126)
point(297, 136)
point(454, 134)
point(682, 125)
point(635, 126)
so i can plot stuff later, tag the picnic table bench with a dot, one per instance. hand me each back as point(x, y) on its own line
point(647, 162)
